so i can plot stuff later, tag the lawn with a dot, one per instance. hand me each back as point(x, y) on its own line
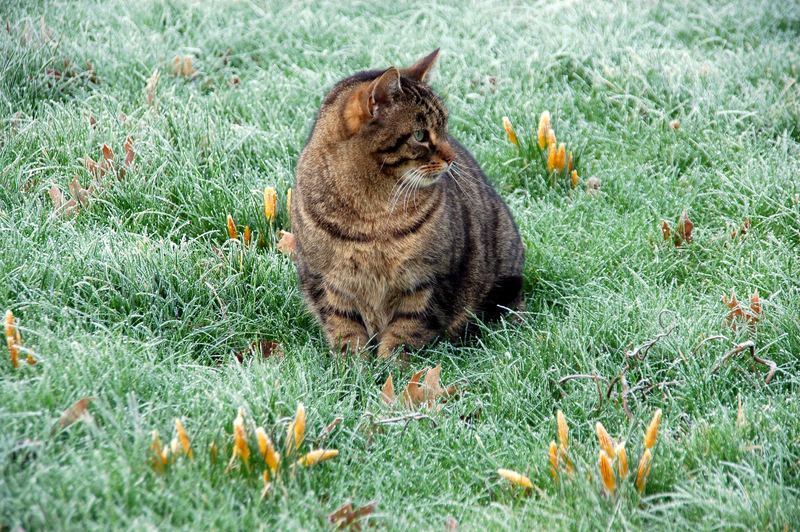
point(142, 302)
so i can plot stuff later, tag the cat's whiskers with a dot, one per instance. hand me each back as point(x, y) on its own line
point(405, 182)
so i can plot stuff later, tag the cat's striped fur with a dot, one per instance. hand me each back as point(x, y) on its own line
point(400, 238)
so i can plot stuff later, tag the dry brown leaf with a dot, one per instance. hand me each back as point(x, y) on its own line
point(387, 392)
point(71, 208)
point(740, 312)
point(150, 87)
point(287, 243)
point(187, 69)
point(755, 307)
point(76, 412)
point(129, 153)
point(177, 63)
point(329, 428)
point(683, 231)
point(432, 386)
point(345, 516)
point(413, 394)
point(57, 197)
point(92, 122)
point(743, 230)
point(108, 153)
point(665, 230)
point(78, 193)
point(264, 348)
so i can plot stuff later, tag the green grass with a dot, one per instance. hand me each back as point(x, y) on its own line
point(141, 302)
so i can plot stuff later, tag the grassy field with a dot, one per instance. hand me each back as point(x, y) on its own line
point(141, 302)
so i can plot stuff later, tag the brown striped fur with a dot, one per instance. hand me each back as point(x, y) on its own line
point(400, 238)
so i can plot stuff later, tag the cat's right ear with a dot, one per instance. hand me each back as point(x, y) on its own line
point(382, 91)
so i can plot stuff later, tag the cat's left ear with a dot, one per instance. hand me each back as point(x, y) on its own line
point(419, 70)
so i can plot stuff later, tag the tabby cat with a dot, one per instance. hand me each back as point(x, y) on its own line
point(400, 239)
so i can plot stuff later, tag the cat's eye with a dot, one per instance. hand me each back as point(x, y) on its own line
point(420, 134)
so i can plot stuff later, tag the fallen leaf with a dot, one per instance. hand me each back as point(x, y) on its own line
point(740, 312)
point(755, 308)
point(93, 168)
point(683, 231)
point(743, 230)
point(177, 63)
point(78, 193)
point(57, 197)
point(329, 428)
point(129, 153)
point(432, 386)
point(287, 243)
point(264, 348)
point(78, 411)
point(592, 186)
point(413, 394)
point(150, 87)
point(108, 153)
point(346, 516)
point(71, 208)
point(187, 69)
point(92, 122)
point(387, 392)
point(665, 230)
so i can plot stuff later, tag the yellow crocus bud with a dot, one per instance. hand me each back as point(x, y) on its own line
point(606, 472)
point(296, 430)
point(270, 203)
point(544, 127)
point(13, 349)
point(515, 478)
point(553, 455)
point(267, 450)
point(512, 137)
point(606, 443)
point(652, 430)
point(232, 233)
point(563, 429)
point(240, 447)
point(622, 461)
point(319, 455)
point(643, 470)
point(561, 155)
point(183, 438)
point(551, 158)
point(551, 137)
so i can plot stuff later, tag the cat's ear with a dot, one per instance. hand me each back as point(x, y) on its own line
point(381, 91)
point(419, 70)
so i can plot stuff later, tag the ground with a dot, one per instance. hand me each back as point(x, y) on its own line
point(141, 301)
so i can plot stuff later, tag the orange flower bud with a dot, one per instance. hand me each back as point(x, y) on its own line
point(606, 472)
point(553, 455)
point(512, 137)
point(606, 443)
point(652, 430)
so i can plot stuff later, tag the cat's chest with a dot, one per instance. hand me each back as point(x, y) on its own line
point(372, 273)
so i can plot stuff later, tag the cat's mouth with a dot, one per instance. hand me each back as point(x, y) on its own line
point(426, 175)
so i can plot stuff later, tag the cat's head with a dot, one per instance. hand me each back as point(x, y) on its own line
point(395, 118)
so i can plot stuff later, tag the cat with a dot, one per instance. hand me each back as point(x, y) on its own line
point(400, 238)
